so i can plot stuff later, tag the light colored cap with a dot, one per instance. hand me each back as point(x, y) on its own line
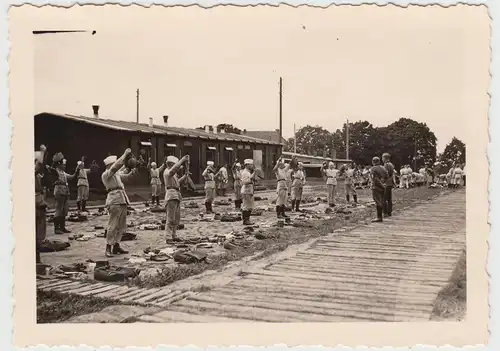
point(331, 164)
point(79, 163)
point(153, 164)
point(300, 164)
point(172, 159)
point(248, 161)
point(238, 164)
point(64, 161)
point(110, 160)
point(210, 163)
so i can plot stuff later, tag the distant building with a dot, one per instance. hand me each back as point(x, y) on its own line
point(96, 138)
point(273, 136)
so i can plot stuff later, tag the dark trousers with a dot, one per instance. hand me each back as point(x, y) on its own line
point(378, 197)
point(464, 180)
point(388, 200)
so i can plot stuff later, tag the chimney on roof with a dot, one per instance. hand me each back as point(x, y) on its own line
point(96, 110)
point(222, 131)
point(151, 122)
point(207, 129)
point(165, 121)
point(244, 131)
point(214, 128)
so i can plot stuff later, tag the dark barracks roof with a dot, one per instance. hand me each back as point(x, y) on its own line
point(129, 126)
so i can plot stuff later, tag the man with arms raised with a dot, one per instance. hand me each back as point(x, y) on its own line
point(116, 201)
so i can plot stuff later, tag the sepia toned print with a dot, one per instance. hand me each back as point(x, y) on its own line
point(319, 173)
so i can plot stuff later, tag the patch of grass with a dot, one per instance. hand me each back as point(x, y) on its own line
point(451, 302)
point(53, 307)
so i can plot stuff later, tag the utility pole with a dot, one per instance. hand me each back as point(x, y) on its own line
point(281, 109)
point(347, 139)
point(137, 112)
point(294, 139)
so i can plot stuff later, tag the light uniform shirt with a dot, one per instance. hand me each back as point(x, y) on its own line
point(422, 171)
point(209, 179)
point(349, 176)
point(82, 177)
point(299, 178)
point(281, 176)
point(247, 183)
point(155, 176)
point(223, 173)
point(331, 176)
point(458, 172)
point(172, 186)
point(116, 190)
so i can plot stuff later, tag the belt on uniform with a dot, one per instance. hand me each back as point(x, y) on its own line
point(172, 188)
point(60, 183)
point(82, 178)
point(281, 180)
point(113, 189)
point(154, 177)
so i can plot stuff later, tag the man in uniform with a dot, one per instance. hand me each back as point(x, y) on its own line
point(61, 192)
point(379, 179)
point(389, 184)
point(116, 201)
point(82, 185)
point(248, 175)
point(173, 194)
point(223, 178)
point(350, 188)
point(457, 174)
point(237, 185)
point(40, 204)
point(281, 169)
point(404, 178)
point(331, 183)
point(154, 173)
point(209, 176)
point(299, 180)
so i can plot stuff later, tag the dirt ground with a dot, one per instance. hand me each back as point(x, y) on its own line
point(219, 241)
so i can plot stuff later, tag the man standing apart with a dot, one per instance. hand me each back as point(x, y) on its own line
point(389, 184)
point(299, 180)
point(116, 201)
point(379, 179)
point(173, 194)
point(237, 185)
point(248, 175)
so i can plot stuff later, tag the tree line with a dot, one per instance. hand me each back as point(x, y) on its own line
point(408, 142)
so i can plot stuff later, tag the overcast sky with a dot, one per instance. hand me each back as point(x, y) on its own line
point(206, 67)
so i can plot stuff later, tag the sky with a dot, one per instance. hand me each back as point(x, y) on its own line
point(207, 67)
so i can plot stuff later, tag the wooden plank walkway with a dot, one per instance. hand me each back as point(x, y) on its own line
point(379, 272)
point(389, 271)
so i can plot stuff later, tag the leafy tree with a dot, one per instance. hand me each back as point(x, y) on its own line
point(312, 140)
point(410, 142)
point(454, 152)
